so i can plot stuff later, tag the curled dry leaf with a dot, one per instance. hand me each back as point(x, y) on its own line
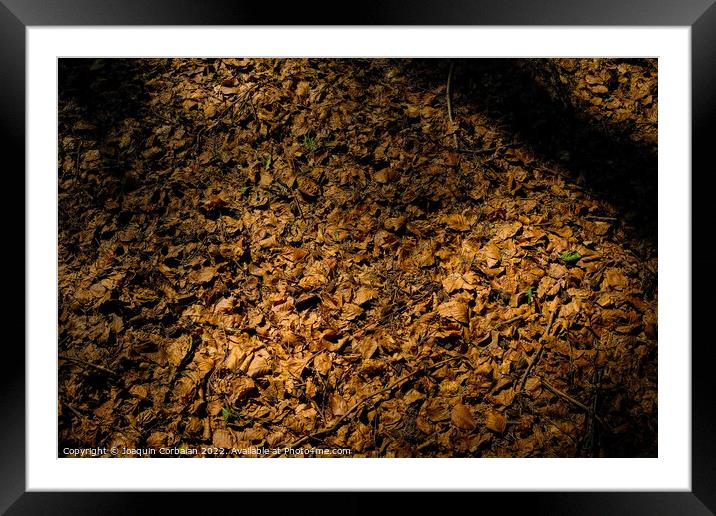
point(456, 310)
point(366, 347)
point(508, 230)
point(295, 254)
point(322, 363)
point(462, 417)
point(495, 422)
point(532, 384)
point(384, 176)
point(201, 276)
point(363, 295)
point(436, 410)
point(338, 405)
point(456, 222)
point(259, 367)
point(492, 255)
point(351, 311)
point(178, 349)
point(308, 187)
point(240, 388)
point(614, 279)
point(457, 282)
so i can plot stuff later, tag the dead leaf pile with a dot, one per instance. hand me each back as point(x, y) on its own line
point(248, 248)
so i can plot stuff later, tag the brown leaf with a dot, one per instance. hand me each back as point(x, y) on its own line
point(436, 410)
point(505, 397)
point(201, 276)
point(363, 295)
point(492, 255)
point(508, 230)
point(308, 187)
point(302, 89)
point(457, 222)
point(394, 223)
point(532, 384)
point(454, 282)
point(557, 271)
point(178, 349)
point(351, 311)
point(295, 254)
point(323, 363)
point(462, 417)
point(615, 279)
point(259, 367)
point(366, 347)
point(240, 388)
point(456, 310)
point(338, 405)
point(384, 176)
point(496, 422)
point(223, 438)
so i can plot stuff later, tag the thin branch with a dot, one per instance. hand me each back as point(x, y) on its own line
point(533, 362)
point(599, 217)
point(91, 364)
point(508, 321)
point(573, 401)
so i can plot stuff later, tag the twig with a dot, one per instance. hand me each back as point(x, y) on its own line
point(91, 364)
point(574, 402)
point(360, 403)
point(449, 103)
point(508, 321)
point(533, 362)
point(74, 410)
point(478, 151)
point(599, 217)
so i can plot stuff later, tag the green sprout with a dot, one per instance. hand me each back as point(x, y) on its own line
point(309, 143)
point(266, 161)
point(570, 256)
point(229, 415)
point(530, 295)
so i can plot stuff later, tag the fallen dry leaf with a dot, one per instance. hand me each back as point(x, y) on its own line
point(456, 310)
point(462, 417)
point(495, 422)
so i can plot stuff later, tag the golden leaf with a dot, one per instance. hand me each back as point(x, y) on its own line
point(495, 422)
point(363, 295)
point(461, 417)
point(259, 367)
point(456, 310)
point(457, 222)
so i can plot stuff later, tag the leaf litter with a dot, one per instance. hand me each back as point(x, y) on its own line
point(263, 252)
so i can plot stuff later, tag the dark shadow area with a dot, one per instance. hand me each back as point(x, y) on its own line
point(105, 90)
point(96, 98)
point(601, 158)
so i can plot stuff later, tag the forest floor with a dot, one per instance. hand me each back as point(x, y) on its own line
point(273, 253)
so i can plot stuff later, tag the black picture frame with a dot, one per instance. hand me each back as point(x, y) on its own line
point(700, 15)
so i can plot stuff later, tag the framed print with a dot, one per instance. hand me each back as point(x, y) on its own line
point(449, 247)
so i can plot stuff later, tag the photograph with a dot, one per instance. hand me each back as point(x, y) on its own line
point(366, 257)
